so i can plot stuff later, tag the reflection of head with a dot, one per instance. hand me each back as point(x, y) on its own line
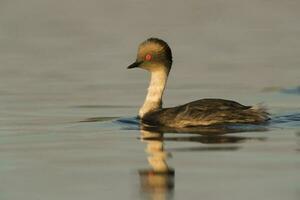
point(152, 181)
point(159, 180)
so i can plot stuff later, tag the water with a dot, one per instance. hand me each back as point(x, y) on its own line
point(67, 103)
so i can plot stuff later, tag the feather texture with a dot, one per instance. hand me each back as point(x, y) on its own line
point(205, 112)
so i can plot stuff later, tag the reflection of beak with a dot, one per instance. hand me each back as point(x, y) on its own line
point(134, 65)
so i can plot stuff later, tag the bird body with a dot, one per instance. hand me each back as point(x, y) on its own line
point(154, 55)
point(205, 112)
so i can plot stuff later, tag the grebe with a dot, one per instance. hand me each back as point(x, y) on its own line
point(155, 56)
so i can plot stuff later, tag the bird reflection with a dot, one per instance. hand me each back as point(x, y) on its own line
point(158, 182)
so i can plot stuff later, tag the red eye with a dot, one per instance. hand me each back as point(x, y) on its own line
point(148, 57)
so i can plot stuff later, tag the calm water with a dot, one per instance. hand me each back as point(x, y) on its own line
point(67, 103)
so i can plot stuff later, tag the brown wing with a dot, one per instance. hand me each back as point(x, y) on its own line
point(202, 112)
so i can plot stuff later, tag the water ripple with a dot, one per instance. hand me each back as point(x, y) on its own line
point(287, 121)
point(295, 90)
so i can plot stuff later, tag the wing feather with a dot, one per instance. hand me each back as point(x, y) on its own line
point(205, 112)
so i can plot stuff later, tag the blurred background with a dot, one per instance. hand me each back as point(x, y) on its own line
point(74, 52)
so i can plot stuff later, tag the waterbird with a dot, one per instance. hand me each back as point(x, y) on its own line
point(155, 56)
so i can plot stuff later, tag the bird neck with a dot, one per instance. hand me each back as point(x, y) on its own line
point(156, 89)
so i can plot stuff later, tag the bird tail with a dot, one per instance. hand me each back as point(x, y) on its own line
point(261, 111)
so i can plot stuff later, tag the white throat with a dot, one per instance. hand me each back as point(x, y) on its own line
point(156, 89)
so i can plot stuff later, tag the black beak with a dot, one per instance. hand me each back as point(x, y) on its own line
point(134, 65)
